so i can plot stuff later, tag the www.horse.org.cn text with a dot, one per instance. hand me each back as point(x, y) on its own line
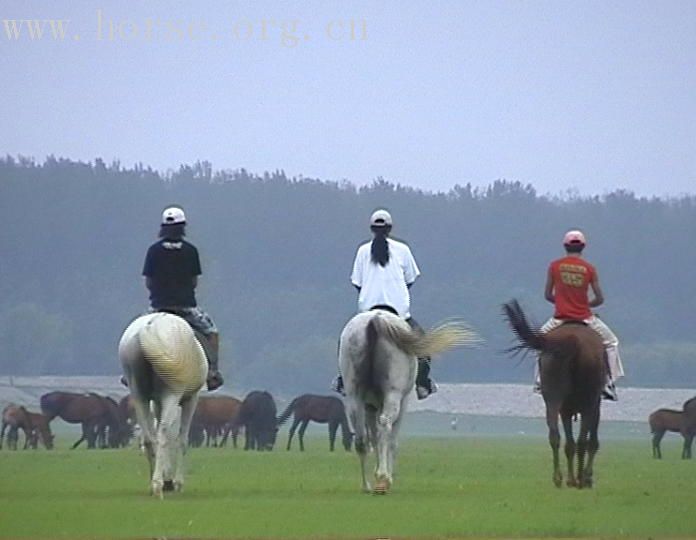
point(285, 32)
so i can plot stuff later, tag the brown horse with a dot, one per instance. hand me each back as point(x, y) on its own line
point(90, 410)
point(34, 425)
point(322, 409)
point(573, 371)
point(213, 415)
point(663, 420)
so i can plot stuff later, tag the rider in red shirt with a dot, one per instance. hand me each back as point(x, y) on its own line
point(567, 285)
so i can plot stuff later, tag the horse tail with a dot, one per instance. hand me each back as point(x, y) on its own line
point(366, 369)
point(439, 339)
point(170, 346)
point(530, 338)
point(287, 412)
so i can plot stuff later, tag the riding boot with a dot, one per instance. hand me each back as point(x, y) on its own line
point(214, 379)
point(609, 392)
point(424, 384)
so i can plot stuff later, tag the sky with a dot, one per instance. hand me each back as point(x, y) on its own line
point(584, 96)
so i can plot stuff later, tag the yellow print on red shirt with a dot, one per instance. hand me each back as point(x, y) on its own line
point(572, 275)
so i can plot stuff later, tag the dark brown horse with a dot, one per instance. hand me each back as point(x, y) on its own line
point(663, 420)
point(322, 409)
point(90, 410)
point(34, 425)
point(257, 415)
point(573, 372)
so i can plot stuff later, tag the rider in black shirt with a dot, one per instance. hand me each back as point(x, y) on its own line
point(171, 273)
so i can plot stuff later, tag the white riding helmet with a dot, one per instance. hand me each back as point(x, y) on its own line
point(174, 215)
point(574, 237)
point(380, 218)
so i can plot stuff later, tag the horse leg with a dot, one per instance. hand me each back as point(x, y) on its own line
point(295, 422)
point(163, 465)
point(688, 439)
point(570, 447)
point(356, 413)
point(188, 408)
point(656, 438)
point(12, 437)
point(592, 447)
point(2, 432)
point(391, 408)
point(333, 427)
point(554, 440)
point(143, 414)
point(300, 434)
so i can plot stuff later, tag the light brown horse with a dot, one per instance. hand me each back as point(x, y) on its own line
point(34, 425)
point(213, 415)
point(663, 420)
point(322, 409)
point(573, 370)
point(90, 410)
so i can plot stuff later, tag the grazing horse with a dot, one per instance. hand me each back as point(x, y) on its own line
point(165, 367)
point(572, 367)
point(86, 409)
point(257, 415)
point(110, 430)
point(377, 355)
point(322, 409)
point(663, 420)
point(34, 425)
point(213, 415)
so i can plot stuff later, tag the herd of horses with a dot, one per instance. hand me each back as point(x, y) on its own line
point(107, 423)
point(165, 368)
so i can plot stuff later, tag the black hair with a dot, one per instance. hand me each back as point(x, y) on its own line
point(175, 231)
point(575, 247)
point(380, 247)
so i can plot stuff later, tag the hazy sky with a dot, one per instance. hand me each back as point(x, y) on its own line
point(592, 96)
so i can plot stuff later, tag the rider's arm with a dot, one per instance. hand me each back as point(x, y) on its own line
point(598, 299)
point(548, 290)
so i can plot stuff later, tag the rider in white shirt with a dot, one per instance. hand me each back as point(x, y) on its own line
point(383, 271)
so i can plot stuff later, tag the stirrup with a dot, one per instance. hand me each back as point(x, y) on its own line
point(214, 380)
point(337, 385)
point(609, 392)
point(423, 391)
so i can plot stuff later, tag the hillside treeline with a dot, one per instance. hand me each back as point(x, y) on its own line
point(277, 252)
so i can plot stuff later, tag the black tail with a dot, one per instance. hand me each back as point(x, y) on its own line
point(530, 338)
point(287, 412)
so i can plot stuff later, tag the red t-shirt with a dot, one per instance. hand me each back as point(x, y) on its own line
point(571, 276)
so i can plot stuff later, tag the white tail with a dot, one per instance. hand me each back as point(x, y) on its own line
point(170, 346)
point(441, 338)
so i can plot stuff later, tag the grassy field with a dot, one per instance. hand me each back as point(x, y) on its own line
point(446, 487)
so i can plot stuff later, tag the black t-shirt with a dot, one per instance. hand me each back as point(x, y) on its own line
point(171, 266)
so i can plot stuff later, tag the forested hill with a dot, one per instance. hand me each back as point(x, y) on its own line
point(277, 253)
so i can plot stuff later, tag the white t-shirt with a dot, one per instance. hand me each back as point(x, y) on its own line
point(385, 285)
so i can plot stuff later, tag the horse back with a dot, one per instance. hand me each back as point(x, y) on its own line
point(572, 365)
point(665, 420)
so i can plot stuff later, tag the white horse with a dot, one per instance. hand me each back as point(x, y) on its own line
point(378, 357)
point(165, 366)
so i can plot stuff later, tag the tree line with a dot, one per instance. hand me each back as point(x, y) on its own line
point(277, 253)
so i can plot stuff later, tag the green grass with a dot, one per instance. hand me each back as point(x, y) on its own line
point(445, 488)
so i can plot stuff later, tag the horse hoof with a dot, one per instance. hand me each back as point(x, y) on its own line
point(558, 481)
point(382, 485)
point(168, 485)
point(156, 490)
point(178, 487)
point(571, 482)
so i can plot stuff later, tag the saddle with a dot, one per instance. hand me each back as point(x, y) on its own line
point(573, 321)
point(384, 307)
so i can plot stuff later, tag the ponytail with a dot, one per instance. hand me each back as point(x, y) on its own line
point(380, 247)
